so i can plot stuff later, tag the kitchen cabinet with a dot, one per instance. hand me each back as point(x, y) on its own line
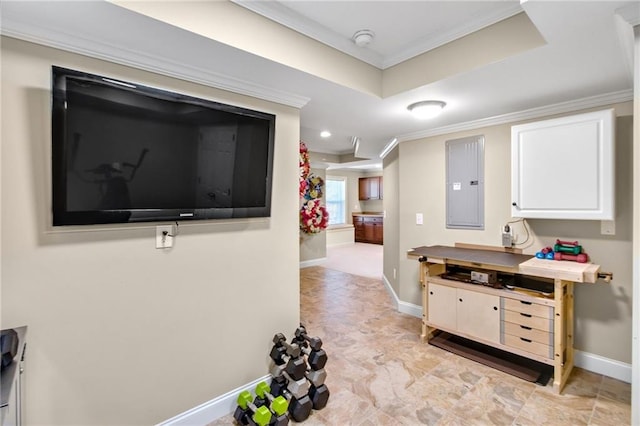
point(370, 188)
point(564, 168)
point(368, 229)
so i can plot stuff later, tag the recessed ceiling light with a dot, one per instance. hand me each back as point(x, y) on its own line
point(325, 134)
point(426, 109)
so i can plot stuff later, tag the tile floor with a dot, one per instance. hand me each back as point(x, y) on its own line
point(379, 373)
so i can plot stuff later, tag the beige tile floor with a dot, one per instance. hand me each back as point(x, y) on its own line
point(379, 372)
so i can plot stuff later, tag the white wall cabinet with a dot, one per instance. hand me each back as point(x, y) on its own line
point(564, 168)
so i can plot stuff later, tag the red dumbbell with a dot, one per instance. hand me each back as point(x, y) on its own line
point(580, 258)
point(567, 243)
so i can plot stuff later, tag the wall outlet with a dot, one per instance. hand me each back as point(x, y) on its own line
point(164, 236)
point(608, 227)
point(507, 236)
point(419, 219)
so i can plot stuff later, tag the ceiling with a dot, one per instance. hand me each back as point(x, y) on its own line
point(585, 60)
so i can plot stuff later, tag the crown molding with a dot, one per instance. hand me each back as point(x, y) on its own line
point(287, 17)
point(124, 55)
point(630, 13)
point(559, 108)
point(433, 41)
point(275, 11)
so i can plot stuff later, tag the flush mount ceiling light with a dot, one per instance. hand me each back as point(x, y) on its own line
point(325, 134)
point(426, 109)
point(362, 38)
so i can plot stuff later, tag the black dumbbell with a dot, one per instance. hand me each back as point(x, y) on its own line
point(319, 396)
point(299, 408)
point(278, 406)
point(316, 356)
point(301, 336)
point(282, 353)
point(297, 387)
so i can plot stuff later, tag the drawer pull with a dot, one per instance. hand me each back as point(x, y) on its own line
point(460, 299)
point(525, 340)
point(525, 327)
point(431, 293)
point(495, 308)
point(525, 315)
point(525, 303)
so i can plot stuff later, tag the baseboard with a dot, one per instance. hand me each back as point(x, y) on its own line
point(601, 365)
point(401, 306)
point(312, 262)
point(591, 362)
point(349, 243)
point(212, 410)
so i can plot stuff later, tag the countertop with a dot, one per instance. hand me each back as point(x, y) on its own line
point(370, 214)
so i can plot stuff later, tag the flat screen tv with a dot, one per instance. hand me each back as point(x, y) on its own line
point(123, 152)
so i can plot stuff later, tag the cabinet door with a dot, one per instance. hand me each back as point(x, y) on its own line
point(358, 225)
point(374, 188)
point(441, 306)
point(369, 231)
point(369, 188)
point(479, 315)
point(378, 232)
point(363, 189)
point(564, 168)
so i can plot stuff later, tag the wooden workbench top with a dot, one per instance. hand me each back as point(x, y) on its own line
point(510, 262)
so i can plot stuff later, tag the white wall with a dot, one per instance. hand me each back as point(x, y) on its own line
point(120, 332)
point(603, 311)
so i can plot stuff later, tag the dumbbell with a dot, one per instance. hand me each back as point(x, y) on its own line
point(319, 396)
point(569, 247)
point(316, 356)
point(299, 387)
point(299, 408)
point(580, 258)
point(248, 414)
point(295, 367)
point(278, 406)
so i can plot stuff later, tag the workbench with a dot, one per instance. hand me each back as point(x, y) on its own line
point(534, 324)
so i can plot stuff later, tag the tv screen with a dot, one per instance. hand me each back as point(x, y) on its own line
point(123, 152)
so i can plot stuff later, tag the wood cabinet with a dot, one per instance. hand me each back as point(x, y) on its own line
point(368, 229)
point(370, 188)
point(533, 325)
point(545, 154)
point(463, 311)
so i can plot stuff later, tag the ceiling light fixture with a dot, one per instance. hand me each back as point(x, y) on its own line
point(362, 38)
point(325, 134)
point(426, 109)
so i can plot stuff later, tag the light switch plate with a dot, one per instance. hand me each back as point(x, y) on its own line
point(419, 219)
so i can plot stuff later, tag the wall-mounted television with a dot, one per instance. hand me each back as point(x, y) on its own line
point(123, 152)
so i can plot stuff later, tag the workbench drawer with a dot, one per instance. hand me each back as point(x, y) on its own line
point(528, 345)
point(529, 333)
point(528, 308)
point(528, 320)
